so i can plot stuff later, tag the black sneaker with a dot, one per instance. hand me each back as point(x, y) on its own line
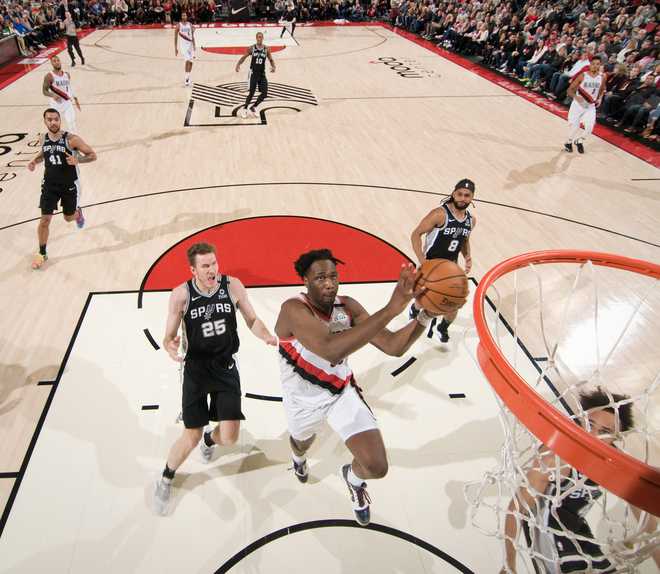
point(444, 335)
point(359, 497)
point(300, 470)
point(580, 147)
point(414, 311)
point(568, 147)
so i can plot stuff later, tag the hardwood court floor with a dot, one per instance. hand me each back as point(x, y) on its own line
point(377, 152)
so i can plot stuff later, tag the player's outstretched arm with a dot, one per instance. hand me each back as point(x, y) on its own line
point(297, 320)
point(435, 218)
point(243, 57)
point(270, 59)
point(523, 502)
point(45, 87)
point(466, 250)
point(394, 343)
point(176, 307)
point(77, 143)
point(572, 88)
point(39, 157)
point(256, 325)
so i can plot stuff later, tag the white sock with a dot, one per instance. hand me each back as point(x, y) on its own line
point(166, 480)
point(298, 459)
point(353, 478)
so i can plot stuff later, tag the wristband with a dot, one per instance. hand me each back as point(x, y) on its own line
point(423, 318)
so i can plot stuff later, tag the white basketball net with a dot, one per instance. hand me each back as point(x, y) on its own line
point(588, 327)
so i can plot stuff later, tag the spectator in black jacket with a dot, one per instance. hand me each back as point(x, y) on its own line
point(639, 104)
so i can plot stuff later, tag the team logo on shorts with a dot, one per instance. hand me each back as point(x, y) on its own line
point(219, 105)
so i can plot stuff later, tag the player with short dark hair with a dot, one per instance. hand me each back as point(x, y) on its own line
point(447, 229)
point(60, 152)
point(317, 332)
point(206, 305)
point(258, 53)
point(561, 507)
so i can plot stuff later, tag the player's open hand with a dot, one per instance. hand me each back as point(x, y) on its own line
point(172, 348)
point(405, 288)
point(71, 159)
point(272, 69)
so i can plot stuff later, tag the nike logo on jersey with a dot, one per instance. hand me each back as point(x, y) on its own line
point(237, 11)
point(198, 297)
point(230, 366)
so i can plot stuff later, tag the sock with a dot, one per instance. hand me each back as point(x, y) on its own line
point(42, 249)
point(298, 459)
point(444, 325)
point(168, 473)
point(208, 439)
point(353, 478)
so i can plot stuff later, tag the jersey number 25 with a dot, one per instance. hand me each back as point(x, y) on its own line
point(212, 328)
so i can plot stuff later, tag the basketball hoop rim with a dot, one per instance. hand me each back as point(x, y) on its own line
point(618, 472)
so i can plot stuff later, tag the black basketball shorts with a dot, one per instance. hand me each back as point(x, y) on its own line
point(52, 194)
point(211, 392)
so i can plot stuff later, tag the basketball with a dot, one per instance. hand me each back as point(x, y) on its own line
point(446, 286)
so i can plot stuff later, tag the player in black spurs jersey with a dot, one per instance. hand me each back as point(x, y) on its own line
point(211, 390)
point(258, 52)
point(60, 153)
point(560, 505)
point(447, 229)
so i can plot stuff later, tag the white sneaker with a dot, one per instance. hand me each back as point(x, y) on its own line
point(186, 83)
point(162, 493)
point(204, 449)
point(243, 113)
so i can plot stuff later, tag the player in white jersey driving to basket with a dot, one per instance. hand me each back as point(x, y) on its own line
point(57, 86)
point(184, 42)
point(587, 90)
point(317, 331)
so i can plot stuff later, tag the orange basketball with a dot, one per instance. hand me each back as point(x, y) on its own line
point(446, 286)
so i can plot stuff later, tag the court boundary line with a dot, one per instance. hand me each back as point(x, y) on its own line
point(634, 148)
point(348, 185)
point(6, 512)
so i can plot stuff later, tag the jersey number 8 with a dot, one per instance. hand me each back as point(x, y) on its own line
point(212, 328)
point(453, 245)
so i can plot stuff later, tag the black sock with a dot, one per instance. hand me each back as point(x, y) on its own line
point(42, 249)
point(444, 325)
point(168, 472)
point(208, 441)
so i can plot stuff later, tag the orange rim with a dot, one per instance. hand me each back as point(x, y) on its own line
point(630, 479)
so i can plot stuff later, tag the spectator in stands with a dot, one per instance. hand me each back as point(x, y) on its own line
point(639, 104)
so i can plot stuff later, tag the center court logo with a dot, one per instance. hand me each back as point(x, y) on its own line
point(227, 99)
point(406, 67)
